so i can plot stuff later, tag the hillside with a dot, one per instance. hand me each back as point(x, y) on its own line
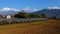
point(49, 12)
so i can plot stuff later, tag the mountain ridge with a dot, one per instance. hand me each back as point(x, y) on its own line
point(49, 12)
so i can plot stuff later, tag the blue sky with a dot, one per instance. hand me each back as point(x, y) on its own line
point(20, 4)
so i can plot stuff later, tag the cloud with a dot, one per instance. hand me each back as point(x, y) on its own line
point(28, 9)
point(55, 7)
point(50, 7)
point(8, 9)
point(35, 9)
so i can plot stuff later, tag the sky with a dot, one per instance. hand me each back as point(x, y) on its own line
point(35, 4)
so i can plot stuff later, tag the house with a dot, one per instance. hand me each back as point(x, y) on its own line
point(2, 17)
point(8, 17)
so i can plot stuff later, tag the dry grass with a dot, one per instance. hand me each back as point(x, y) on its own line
point(49, 27)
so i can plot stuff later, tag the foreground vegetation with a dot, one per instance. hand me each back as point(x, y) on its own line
point(50, 26)
point(6, 26)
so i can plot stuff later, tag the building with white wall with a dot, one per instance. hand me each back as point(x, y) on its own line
point(8, 17)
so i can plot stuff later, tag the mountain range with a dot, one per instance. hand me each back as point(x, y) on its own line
point(49, 12)
point(12, 11)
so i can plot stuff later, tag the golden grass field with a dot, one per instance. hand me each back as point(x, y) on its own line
point(50, 26)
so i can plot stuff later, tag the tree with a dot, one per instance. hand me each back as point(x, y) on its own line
point(53, 17)
point(21, 15)
point(43, 16)
point(34, 16)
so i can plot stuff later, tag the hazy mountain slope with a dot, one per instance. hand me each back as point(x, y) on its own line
point(49, 12)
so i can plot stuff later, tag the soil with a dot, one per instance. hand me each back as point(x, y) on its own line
point(50, 26)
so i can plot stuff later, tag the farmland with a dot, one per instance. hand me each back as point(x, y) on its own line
point(49, 26)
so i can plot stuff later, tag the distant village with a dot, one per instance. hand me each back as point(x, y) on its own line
point(6, 17)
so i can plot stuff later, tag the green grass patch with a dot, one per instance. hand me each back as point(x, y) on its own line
point(21, 24)
point(11, 26)
point(37, 22)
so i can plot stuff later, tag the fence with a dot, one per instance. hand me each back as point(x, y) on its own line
point(17, 20)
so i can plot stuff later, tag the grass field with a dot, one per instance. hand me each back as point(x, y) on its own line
point(7, 26)
point(38, 27)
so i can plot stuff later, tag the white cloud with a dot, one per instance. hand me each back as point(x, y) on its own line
point(8, 9)
point(35, 9)
point(28, 9)
point(55, 7)
point(15, 9)
point(50, 7)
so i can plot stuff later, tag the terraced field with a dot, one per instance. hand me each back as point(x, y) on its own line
point(50, 26)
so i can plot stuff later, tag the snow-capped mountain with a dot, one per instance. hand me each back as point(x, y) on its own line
point(6, 11)
point(12, 11)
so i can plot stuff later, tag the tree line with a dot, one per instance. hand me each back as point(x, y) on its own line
point(28, 15)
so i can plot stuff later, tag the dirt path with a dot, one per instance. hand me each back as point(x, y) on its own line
point(50, 27)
